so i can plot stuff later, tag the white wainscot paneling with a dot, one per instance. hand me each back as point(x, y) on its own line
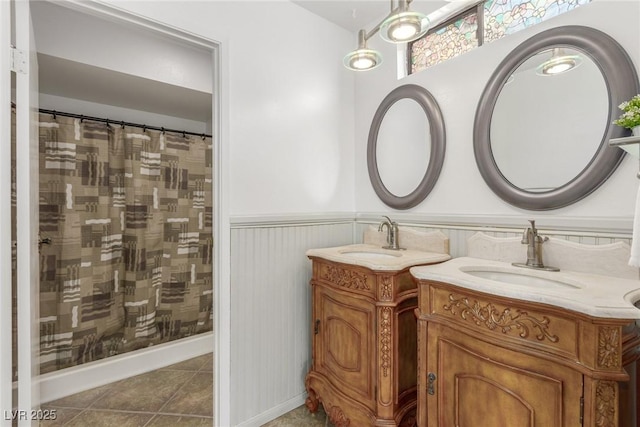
point(271, 314)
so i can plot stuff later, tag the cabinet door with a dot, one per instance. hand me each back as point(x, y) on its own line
point(345, 350)
point(483, 385)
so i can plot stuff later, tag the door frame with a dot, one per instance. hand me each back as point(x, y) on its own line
point(221, 232)
point(6, 375)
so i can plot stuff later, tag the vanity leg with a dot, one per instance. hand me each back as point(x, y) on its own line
point(312, 401)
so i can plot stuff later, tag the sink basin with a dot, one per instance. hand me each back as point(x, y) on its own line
point(370, 254)
point(519, 279)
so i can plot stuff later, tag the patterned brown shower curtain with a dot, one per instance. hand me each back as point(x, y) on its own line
point(130, 217)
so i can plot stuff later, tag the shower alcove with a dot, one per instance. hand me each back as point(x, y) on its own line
point(94, 63)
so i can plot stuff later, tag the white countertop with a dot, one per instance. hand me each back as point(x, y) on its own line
point(380, 259)
point(595, 295)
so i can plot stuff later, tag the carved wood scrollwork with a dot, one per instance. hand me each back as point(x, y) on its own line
point(387, 288)
point(508, 320)
point(385, 340)
point(346, 278)
point(337, 417)
point(609, 347)
point(606, 404)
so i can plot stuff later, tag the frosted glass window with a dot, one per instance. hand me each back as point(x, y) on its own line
point(500, 18)
point(445, 43)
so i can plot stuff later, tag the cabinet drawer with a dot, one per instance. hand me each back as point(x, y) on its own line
point(506, 320)
point(352, 279)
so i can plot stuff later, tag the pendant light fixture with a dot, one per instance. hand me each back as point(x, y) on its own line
point(403, 25)
point(559, 62)
point(400, 26)
point(362, 59)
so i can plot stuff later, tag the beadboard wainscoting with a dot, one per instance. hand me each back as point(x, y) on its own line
point(271, 298)
point(270, 310)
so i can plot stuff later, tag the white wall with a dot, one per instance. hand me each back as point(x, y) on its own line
point(114, 45)
point(290, 102)
point(106, 68)
point(457, 85)
point(72, 105)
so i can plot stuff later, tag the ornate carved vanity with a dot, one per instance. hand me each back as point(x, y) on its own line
point(487, 360)
point(364, 339)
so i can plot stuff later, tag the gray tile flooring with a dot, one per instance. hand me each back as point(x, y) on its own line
point(178, 395)
point(301, 417)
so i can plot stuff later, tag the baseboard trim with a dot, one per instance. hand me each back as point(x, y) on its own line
point(59, 384)
point(275, 412)
point(291, 220)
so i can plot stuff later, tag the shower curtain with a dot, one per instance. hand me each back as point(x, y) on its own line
point(128, 214)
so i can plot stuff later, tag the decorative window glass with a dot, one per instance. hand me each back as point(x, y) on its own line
point(501, 17)
point(445, 43)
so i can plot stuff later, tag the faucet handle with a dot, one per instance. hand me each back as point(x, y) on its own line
point(525, 236)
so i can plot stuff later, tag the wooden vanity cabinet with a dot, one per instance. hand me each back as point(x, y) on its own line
point(364, 345)
point(487, 361)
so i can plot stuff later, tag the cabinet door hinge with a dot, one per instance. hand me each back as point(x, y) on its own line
point(18, 60)
point(316, 327)
point(582, 411)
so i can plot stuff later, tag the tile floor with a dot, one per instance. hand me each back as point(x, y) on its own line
point(178, 395)
point(301, 417)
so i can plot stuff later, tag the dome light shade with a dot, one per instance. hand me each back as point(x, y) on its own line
point(558, 63)
point(404, 27)
point(362, 59)
point(400, 26)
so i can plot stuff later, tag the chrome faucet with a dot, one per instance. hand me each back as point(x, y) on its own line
point(392, 233)
point(534, 242)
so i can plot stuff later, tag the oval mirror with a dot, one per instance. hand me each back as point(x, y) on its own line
point(406, 145)
point(540, 139)
point(403, 145)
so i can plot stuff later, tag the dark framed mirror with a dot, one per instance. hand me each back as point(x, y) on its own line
point(406, 146)
point(541, 140)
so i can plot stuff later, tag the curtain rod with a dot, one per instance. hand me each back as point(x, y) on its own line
point(55, 113)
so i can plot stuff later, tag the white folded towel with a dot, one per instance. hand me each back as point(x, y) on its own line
point(634, 260)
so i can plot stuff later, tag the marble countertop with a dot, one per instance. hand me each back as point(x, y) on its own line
point(376, 258)
point(595, 295)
